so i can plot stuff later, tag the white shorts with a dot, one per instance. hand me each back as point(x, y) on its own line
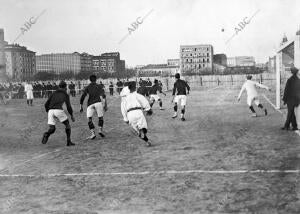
point(252, 99)
point(137, 120)
point(56, 115)
point(29, 95)
point(98, 107)
point(154, 97)
point(181, 98)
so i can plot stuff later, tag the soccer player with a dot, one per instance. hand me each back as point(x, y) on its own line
point(252, 95)
point(132, 107)
point(29, 93)
point(182, 89)
point(111, 89)
point(96, 95)
point(153, 94)
point(55, 112)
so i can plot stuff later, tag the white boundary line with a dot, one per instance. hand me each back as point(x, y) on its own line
point(28, 160)
point(269, 101)
point(155, 173)
point(213, 88)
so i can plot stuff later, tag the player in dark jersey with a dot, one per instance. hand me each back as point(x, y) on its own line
point(143, 88)
point(154, 96)
point(96, 95)
point(55, 112)
point(182, 89)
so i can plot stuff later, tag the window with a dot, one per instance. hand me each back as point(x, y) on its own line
point(207, 54)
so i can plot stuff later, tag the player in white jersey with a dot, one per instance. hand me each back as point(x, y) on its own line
point(132, 107)
point(29, 93)
point(252, 95)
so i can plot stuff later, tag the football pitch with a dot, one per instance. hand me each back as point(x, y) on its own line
point(220, 160)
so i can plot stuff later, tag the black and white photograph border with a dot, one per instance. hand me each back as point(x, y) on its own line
point(139, 106)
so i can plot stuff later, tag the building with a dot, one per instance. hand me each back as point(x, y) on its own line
point(240, 61)
point(108, 62)
point(96, 63)
point(58, 63)
point(220, 59)
point(20, 62)
point(173, 62)
point(158, 70)
point(3, 43)
point(231, 62)
point(196, 58)
point(86, 62)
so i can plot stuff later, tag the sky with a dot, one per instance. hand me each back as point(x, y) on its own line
point(98, 26)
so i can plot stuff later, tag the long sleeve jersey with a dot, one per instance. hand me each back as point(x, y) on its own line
point(250, 87)
point(154, 89)
point(95, 92)
point(180, 86)
point(134, 100)
point(57, 99)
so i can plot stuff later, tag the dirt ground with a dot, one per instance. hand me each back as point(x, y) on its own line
point(219, 137)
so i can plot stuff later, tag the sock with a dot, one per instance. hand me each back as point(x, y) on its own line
point(90, 123)
point(160, 104)
point(50, 131)
point(101, 122)
point(252, 109)
point(175, 108)
point(27, 102)
point(68, 133)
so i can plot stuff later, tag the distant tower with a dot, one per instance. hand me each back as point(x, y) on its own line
point(284, 40)
point(2, 53)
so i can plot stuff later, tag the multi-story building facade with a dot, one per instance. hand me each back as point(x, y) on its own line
point(20, 62)
point(158, 70)
point(3, 43)
point(96, 63)
point(231, 61)
point(173, 62)
point(108, 62)
point(196, 58)
point(59, 62)
point(241, 61)
point(86, 62)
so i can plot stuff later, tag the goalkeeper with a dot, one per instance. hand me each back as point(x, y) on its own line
point(132, 107)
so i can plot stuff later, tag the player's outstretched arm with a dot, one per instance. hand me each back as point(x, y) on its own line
point(82, 99)
point(241, 92)
point(261, 86)
point(187, 87)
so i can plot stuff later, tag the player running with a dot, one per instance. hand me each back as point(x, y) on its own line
point(29, 93)
point(153, 94)
point(252, 95)
point(182, 89)
point(132, 107)
point(96, 95)
point(55, 112)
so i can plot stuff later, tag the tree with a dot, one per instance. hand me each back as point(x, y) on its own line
point(43, 76)
point(66, 75)
point(83, 75)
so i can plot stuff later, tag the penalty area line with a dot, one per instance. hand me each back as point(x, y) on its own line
point(155, 173)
